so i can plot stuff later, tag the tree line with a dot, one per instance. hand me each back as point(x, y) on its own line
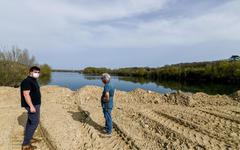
point(17, 55)
point(14, 65)
point(225, 71)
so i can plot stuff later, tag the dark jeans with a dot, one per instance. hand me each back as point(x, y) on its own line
point(32, 124)
point(108, 120)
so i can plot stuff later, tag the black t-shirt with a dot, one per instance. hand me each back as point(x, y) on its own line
point(31, 84)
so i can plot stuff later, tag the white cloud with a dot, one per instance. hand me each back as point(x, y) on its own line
point(219, 24)
point(79, 25)
point(95, 10)
point(45, 23)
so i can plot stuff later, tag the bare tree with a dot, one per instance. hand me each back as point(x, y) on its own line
point(2, 56)
point(15, 52)
point(17, 55)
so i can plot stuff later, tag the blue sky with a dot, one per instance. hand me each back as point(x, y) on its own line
point(73, 34)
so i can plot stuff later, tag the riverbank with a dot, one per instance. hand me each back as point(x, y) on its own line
point(221, 71)
point(73, 120)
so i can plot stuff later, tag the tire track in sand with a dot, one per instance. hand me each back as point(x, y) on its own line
point(221, 115)
point(184, 131)
point(17, 136)
point(94, 137)
point(211, 125)
point(152, 135)
point(221, 138)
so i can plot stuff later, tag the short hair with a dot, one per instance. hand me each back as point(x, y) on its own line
point(34, 68)
point(106, 76)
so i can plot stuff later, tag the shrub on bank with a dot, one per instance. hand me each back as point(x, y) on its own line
point(218, 71)
point(14, 67)
point(12, 73)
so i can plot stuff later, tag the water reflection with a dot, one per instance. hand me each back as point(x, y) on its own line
point(90, 77)
point(209, 88)
point(75, 81)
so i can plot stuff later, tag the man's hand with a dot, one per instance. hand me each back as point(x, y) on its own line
point(32, 109)
point(29, 101)
point(106, 98)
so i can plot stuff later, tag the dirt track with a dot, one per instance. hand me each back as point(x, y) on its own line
point(142, 120)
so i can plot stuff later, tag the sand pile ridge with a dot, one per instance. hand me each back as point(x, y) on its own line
point(73, 120)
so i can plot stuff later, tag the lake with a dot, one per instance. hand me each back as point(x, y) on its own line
point(75, 81)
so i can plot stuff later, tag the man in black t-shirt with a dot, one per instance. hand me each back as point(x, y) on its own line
point(31, 101)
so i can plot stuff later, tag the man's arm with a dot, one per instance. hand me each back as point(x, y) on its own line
point(28, 99)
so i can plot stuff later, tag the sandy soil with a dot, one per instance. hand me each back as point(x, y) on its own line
point(12, 121)
point(73, 120)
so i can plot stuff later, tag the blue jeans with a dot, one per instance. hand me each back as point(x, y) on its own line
point(108, 120)
point(31, 125)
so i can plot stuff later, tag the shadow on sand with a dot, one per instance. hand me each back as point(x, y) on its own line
point(22, 119)
point(84, 117)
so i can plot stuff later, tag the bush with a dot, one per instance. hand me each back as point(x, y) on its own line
point(12, 73)
point(14, 67)
point(45, 74)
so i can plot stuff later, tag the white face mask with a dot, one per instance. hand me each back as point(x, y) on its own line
point(36, 75)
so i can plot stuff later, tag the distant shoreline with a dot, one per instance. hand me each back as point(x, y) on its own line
point(66, 70)
point(221, 71)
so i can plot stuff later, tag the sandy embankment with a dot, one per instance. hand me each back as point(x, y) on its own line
point(142, 120)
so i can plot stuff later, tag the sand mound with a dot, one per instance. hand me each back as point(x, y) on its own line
point(199, 99)
point(146, 97)
point(236, 96)
point(73, 120)
point(202, 99)
point(180, 98)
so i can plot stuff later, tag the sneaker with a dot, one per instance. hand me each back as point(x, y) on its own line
point(107, 135)
point(35, 140)
point(28, 147)
point(104, 131)
point(34, 147)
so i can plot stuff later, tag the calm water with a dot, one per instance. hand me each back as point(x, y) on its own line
point(75, 81)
